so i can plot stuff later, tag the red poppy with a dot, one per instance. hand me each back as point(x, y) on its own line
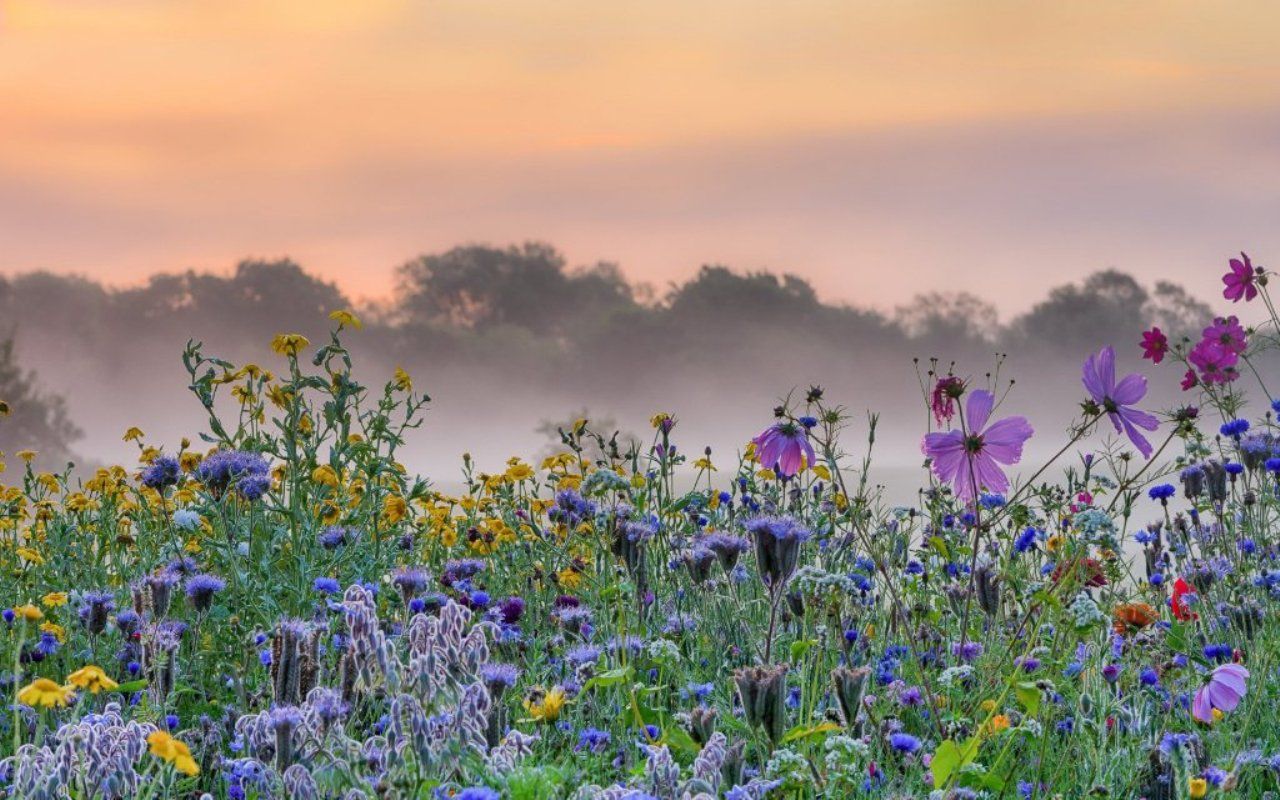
point(1089, 571)
point(1180, 609)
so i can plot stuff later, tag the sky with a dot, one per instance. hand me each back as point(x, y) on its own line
point(879, 149)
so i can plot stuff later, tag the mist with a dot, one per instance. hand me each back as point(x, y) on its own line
point(507, 340)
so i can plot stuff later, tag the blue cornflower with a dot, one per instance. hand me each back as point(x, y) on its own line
point(1162, 492)
point(904, 742)
point(1234, 428)
point(326, 585)
point(161, 473)
point(1025, 541)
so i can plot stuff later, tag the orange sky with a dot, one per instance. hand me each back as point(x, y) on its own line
point(879, 149)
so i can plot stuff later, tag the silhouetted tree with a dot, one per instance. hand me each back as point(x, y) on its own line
point(36, 420)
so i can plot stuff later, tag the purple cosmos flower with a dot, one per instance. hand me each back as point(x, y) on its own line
point(781, 446)
point(1224, 691)
point(1117, 399)
point(971, 462)
point(1239, 281)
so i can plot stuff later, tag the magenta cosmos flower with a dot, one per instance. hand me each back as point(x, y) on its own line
point(1239, 281)
point(781, 446)
point(1154, 345)
point(972, 462)
point(1117, 399)
point(1224, 691)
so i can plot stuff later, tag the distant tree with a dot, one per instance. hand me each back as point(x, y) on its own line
point(956, 318)
point(477, 287)
point(717, 293)
point(36, 420)
point(1108, 307)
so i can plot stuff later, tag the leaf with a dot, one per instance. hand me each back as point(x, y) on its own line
point(132, 686)
point(610, 678)
point(949, 759)
point(801, 732)
point(798, 649)
point(1028, 695)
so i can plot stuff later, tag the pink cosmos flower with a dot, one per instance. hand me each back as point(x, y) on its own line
point(972, 462)
point(781, 446)
point(945, 393)
point(1229, 333)
point(1154, 345)
point(1190, 381)
point(1118, 399)
point(1215, 361)
point(1224, 691)
point(1239, 281)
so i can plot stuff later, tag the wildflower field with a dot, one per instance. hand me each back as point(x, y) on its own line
point(277, 608)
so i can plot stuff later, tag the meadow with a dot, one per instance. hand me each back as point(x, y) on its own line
point(277, 608)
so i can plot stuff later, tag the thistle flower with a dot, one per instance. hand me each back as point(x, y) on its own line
point(727, 548)
point(161, 473)
point(777, 541)
point(850, 685)
point(762, 691)
point(95, 610)
point(201, 589)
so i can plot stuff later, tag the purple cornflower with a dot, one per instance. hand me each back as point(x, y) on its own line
point(784, 447)
point(201, 589)
point(161, 473)
point(410, 581)
point(1118, 399)
point(335, 536)
point(593, 740)
point(904, 742)
point(971, 460)
point(326, 585)
point(246, 472)
point(777, 546)
point(95, 609)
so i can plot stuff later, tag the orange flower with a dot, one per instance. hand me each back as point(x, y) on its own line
point(1133, 615)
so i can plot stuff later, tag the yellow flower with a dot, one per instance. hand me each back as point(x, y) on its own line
point(27, 455)
point(988, 705)
point(544, 705)
point(569, 578)
point(1197, 787)
point(58, 632)
point(661, 418)
point(289, 344)
point(347, 319)
point(92, 678)
point(29, 612)
point(44, 693)
point(31, 556)
point(822, 472)
point(175, 752)
point(705, 464)
point(325, 475)
point(999, 722)
point(519, 471)
point(402, 380)
point(394, 508)
point(133, 434)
